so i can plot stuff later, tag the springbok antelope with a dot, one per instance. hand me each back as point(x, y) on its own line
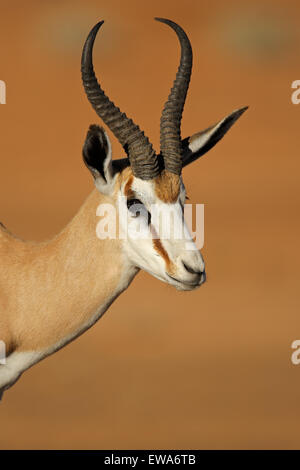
point(52, 292)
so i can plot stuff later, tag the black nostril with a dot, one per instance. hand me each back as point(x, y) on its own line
point(191, 270)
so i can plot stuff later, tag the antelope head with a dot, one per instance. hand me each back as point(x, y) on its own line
point(144, 179)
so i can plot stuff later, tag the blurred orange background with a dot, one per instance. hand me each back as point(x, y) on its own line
point(163, 369)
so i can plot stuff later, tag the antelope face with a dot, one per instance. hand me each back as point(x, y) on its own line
point(146, 187)
point(157, 238)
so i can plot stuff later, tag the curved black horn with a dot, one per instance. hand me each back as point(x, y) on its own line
point(170, 137)
point(141, 154)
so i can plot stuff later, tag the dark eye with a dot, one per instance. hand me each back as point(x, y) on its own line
point(133, 205)
point(136, 207)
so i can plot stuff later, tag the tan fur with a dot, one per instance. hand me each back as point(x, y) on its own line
point(124, 178)
point(52, 292)
point(167, 186)
point(49, 290)
point(127, 190)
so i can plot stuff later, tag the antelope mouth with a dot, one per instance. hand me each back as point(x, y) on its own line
point(189, 285)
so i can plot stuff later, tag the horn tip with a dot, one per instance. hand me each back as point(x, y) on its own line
point(162, 20)
point(93, 33)
point(96, 28)
point(100, 23)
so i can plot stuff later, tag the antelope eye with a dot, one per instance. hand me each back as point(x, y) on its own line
point(133, 205)
point(136, 207)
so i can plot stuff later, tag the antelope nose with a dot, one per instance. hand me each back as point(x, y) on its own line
point(192, 270)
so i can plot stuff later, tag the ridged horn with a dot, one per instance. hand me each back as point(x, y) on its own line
point(170, 122)
point(142, 157)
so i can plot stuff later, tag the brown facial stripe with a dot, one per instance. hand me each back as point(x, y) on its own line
point(157, 244)
point(167, 186)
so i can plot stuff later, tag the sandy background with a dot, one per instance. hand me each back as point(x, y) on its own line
point(162, 369)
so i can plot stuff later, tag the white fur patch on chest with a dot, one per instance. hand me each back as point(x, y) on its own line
point(16, 363)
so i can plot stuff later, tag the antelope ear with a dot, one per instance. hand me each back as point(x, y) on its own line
point(97, 156)
point(200, 143)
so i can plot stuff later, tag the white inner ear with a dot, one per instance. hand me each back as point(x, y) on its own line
point(107, 165)
point(197, 141)
point(106, 187)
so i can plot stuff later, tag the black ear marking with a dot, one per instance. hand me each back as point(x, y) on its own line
point(208, 138)
point(95, 150)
